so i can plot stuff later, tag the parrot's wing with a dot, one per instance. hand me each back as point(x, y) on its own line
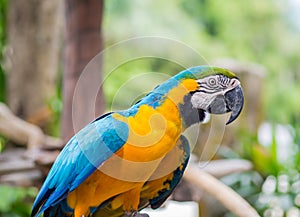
point(170, 184)
point(160, 186)
point(82, 155)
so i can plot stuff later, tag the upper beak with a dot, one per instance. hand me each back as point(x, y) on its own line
point(232, 101)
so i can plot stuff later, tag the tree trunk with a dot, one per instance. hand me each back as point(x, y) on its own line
point(32, 54)
point(82, 43)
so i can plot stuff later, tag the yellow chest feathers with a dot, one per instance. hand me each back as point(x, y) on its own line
point(154, 132)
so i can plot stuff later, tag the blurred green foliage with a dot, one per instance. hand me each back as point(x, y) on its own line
point(275, 190)
point(264, 159)
point(55, 104)
point(273, 196)
point(247, 184)
point(280, 195)
point(16, 201)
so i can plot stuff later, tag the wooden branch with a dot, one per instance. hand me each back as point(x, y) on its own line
point(22, 167)
point(223, 167)
point(229, 198)
point(19, 166)
point(18, 130)
point(22, 132)
point(16, 166)
point(24, 178)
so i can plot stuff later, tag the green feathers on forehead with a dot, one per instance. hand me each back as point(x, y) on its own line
point(199, 72)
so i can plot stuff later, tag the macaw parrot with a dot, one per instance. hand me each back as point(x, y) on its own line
point(127, 160)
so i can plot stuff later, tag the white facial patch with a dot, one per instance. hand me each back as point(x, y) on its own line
point(202, 100)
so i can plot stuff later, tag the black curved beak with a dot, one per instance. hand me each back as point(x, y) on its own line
point(232, 101)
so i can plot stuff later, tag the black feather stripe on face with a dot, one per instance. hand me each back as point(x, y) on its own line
point(213, 84)
point(189, 114)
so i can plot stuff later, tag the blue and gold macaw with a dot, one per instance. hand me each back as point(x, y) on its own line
point(127, 160)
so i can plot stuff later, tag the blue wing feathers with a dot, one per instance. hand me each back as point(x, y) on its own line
point(77, 160)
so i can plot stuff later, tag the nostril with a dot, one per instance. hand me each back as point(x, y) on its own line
point(234, 82)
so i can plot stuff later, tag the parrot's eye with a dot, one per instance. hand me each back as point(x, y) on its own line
point(212, 82)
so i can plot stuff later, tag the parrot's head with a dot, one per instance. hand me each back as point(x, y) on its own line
point(217, 91)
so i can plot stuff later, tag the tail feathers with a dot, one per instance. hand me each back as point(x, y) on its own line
point(59, 210)
point(39, 202)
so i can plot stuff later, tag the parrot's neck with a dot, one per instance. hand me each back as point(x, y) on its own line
point(179, 93)
point(189, 114)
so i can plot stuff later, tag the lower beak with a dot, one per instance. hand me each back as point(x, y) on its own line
point(232, 101)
